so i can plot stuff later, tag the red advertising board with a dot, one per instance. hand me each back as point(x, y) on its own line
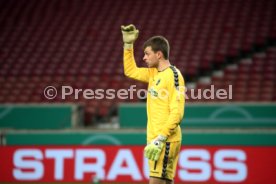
point(199, 164)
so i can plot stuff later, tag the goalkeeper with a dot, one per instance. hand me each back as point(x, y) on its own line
point(165, 103)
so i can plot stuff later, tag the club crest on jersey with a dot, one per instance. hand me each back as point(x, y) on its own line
point(152, 92)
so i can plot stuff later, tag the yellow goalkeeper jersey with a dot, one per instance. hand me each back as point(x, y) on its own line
point(165, 97)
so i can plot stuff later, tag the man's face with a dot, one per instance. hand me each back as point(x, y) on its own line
point(150, 57)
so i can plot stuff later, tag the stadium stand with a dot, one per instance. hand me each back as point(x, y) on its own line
point(78, 43)
point(252, 79)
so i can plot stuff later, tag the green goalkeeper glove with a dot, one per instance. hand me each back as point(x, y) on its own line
point(130, 34)
point(153, 150)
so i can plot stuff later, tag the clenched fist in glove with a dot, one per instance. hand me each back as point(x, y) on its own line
point(130, 34)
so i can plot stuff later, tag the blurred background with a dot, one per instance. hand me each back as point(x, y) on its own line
point(78, 43)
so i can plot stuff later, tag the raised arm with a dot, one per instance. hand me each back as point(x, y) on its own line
point(130, 34)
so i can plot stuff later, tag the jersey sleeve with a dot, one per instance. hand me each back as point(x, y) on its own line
point(176, 94)
point(131, 70)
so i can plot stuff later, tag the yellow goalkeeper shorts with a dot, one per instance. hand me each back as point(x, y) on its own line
point(165, 167)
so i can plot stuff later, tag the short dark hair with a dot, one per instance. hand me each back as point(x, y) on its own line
point(158, 43)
